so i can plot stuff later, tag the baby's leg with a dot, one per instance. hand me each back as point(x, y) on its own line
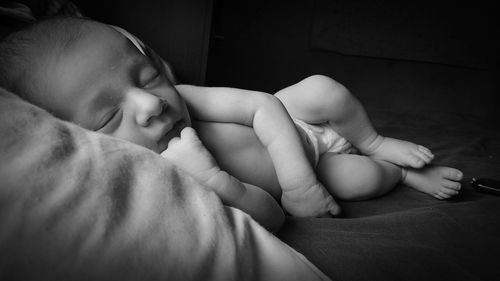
point(440, 182)
point(318, 99)
point(357, 177)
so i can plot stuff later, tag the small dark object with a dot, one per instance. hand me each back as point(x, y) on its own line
point(486, 185)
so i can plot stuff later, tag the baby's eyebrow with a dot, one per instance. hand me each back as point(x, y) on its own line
point(136, 64)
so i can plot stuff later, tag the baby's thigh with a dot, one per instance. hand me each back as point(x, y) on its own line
point(351, 176)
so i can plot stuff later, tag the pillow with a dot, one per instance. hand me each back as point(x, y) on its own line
point(78, 205)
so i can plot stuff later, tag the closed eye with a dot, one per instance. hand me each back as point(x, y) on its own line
point(152, 82)
point(110, 121)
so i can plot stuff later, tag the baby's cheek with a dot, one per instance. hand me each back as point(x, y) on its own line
point(138, 139)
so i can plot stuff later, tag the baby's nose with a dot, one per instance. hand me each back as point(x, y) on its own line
point(147, 106)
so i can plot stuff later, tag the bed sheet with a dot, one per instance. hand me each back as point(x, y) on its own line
point(408, 235)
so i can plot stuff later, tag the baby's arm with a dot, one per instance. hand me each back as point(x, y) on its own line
point(303, 195)
point(189, 154)
point(253, 200)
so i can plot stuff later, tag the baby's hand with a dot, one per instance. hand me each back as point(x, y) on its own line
point(312, 201)
point(189, 154)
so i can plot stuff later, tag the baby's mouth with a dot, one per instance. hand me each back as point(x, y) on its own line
point(173, 132)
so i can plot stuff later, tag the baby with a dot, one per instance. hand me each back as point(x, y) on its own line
point(301, 145)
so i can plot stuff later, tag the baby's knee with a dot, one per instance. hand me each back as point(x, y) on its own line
point(325, 89)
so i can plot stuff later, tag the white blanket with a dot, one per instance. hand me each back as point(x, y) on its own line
point(77, 205)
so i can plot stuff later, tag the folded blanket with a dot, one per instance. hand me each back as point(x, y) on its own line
point(78, 205)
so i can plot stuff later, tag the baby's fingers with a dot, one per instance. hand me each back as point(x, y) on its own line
point(171, 144)
point(189, 133)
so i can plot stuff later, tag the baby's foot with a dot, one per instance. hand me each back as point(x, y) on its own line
point(314, 201)
point(400, 152)
point(440, 182)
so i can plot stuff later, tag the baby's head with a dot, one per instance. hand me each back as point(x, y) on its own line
point(88, 73)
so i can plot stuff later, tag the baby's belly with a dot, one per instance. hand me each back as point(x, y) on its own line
point(239, 152)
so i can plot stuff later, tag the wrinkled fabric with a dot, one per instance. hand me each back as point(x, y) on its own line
point(78, 205)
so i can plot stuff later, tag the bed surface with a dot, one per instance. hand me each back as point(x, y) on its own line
point(408, 235)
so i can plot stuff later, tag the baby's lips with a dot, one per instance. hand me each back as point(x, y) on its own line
point(170, 131)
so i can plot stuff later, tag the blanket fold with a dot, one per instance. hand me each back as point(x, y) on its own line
point(78, 205)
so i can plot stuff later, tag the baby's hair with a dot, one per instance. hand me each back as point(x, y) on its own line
point(21, 51)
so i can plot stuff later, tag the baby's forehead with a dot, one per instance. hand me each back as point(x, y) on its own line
point(107, 36)
point(58, 46)
point(105, 43)
point(98, 54)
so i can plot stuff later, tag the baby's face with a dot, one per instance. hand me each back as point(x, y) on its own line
point(104, 83)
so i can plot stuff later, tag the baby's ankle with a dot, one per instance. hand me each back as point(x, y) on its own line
point(404, 173)
point(371, 144)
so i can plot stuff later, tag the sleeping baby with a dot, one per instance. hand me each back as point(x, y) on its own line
point(303, 146)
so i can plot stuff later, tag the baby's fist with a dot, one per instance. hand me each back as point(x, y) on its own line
point(188, 153)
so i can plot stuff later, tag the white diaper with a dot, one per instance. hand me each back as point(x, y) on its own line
point(324, 139)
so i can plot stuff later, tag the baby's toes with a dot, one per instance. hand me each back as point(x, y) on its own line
point(423, 156)
point(452, 174)
point(453, 185)
point(445, 193)
point(428, 153)
point(334, 208)
point(448, 192)
point(415, 161)
point(439, 195)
